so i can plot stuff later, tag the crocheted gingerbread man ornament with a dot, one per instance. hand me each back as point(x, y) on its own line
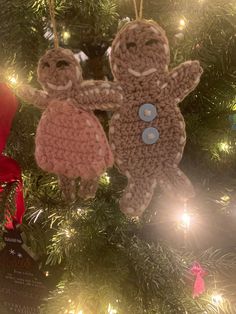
point(147, 133)
point(70, 141)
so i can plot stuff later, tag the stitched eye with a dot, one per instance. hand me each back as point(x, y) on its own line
point(45, 65)
point(131, 45)
point(151, 42)
point(62, 64)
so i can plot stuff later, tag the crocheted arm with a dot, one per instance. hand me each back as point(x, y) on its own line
point(33, 96)
point(99, 95)
point(182, 80)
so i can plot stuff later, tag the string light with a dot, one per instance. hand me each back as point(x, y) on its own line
point(105, 179)
point(185, 221)
point(13, 79)
point(111, 310)
point(68, 232)
point(66, 36)
point(217, 299)
point(182, 24)
point(79, 211)
point(225, 198)
point(47, 273)
point(224, 147)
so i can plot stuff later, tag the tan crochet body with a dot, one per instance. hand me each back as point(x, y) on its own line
point(70, 141)
point(139, 60)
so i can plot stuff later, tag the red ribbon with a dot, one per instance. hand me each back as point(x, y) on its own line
point(199, 285)
point(10, 170)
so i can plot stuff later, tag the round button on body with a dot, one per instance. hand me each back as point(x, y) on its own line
point(150, 136)
point(147, 112)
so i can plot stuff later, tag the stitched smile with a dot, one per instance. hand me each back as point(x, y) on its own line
point(60, 87)
point(144, 73)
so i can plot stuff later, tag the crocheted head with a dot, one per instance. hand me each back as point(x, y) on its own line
point(70, 140)
point(59, 71)
point(139, 49)
point(147, 133)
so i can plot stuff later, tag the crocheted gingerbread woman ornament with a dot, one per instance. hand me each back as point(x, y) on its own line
point(70, 141)
point(147, 133)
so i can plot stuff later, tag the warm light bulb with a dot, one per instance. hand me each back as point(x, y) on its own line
point(182, 24)
point(105, 179)
point(47, 273)
point(79, 210)
point(13, 79)
point(66, 36)
point(68, 232)
point(111, 310)
point(80, 312)
point(185, 220)
point(217, 299)
point(225, 198)
point(224, 147)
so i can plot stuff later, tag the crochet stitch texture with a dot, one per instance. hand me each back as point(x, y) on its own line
point(70, 140)
point(147, 133)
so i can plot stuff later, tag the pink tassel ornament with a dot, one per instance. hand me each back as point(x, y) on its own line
point(199, 285)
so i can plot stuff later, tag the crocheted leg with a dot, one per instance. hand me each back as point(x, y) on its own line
point(174, 181)
point(68, 187)
point(88, 188)
point(137, 195)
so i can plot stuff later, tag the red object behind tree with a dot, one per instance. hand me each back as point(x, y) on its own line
point(10, 170)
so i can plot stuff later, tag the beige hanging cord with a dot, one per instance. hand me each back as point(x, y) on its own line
point(138, 15)
point(141, 10)
point(135, 9)
point(53, 20)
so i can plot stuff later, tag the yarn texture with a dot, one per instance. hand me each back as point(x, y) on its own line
point(70, 140)
point(147, 133)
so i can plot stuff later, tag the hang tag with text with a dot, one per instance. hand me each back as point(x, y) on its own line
point(22, 285)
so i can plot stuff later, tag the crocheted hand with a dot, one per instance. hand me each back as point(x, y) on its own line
point(147, 133)
point(70, 141)
point(31, 95)
point(182, 80)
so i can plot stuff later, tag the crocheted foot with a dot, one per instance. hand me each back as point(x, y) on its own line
point(68, 187)
point(173, 181)
point(137, 195)
point(88, 188)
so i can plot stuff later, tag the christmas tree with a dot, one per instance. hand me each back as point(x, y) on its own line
point(95, 258)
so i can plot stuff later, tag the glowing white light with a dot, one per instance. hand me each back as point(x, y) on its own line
point(13, 79)
point(225, 198)
point(111, 310)
point(217, 299)
point(47, 273)
point(80, 312)
point(185, 221)
point(182, 22)
point(224, 147)
point(105, 178)
point(79, 210)
point(66, 35)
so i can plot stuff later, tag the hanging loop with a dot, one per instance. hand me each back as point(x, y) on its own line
point(51, 5)
point(138, 14)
